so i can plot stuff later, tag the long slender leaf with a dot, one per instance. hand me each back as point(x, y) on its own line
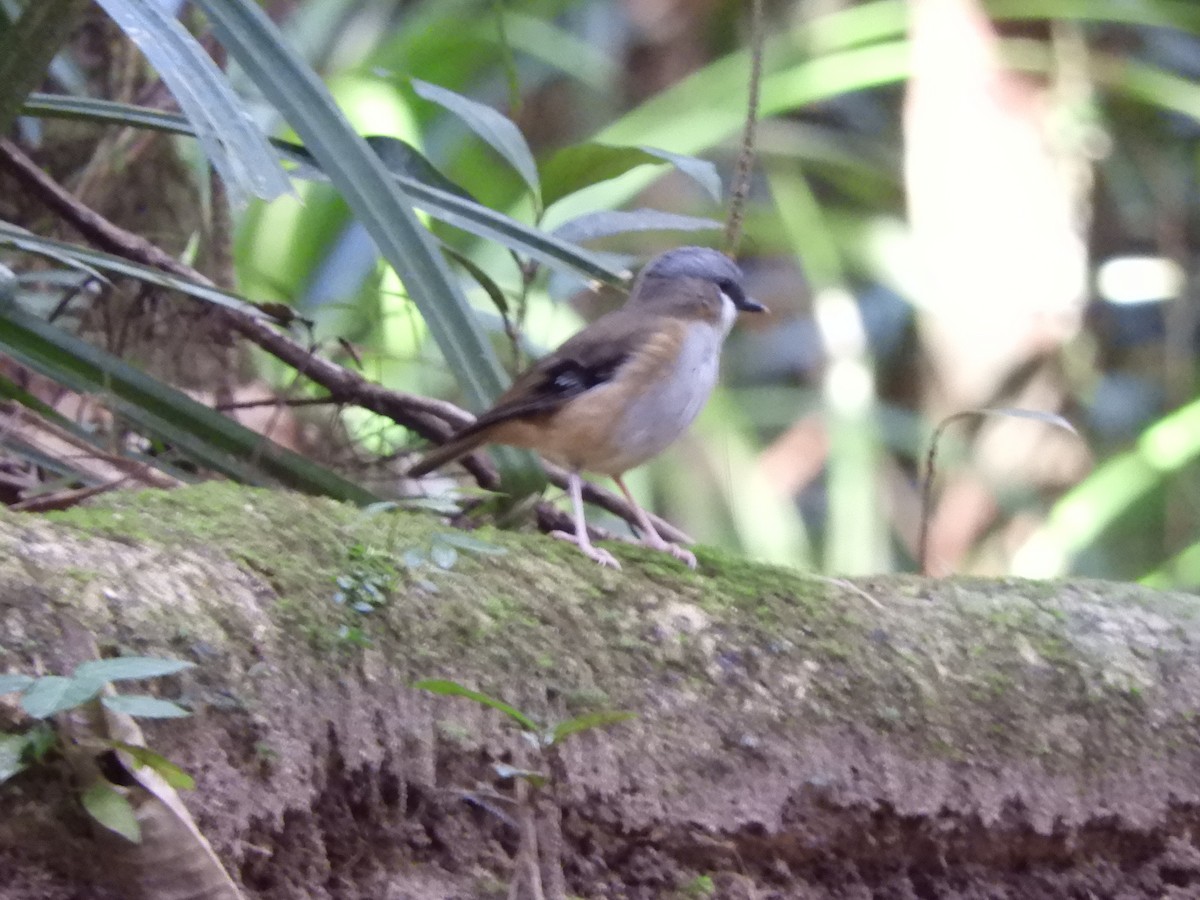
point(230, 139)
point(90, 260)
point(295, 90)
point(122, 668)
point(52, 694)
point(499, 132)
point(449, 688)
point(14, 682)
point(448, 206)
point(171, 773)
point(200, 433)
point(605, 223)
point(9, 389)
point(144, 706)
point(108, 111)
point(586, 722)
point(537, 37)
point(583, 165)
point(1109, 492)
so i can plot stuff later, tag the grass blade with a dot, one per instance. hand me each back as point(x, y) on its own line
point(200, 433)
point(231, 140)
point(89, 260)
point(295, 90)
point(500, 133)
point(446, 205)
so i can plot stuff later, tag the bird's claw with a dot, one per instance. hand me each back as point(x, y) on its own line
point(603, 557)
point(685, 556)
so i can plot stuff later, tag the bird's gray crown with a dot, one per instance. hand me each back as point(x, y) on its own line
point(694, 262)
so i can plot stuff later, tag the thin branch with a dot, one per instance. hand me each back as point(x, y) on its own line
point(740, 185)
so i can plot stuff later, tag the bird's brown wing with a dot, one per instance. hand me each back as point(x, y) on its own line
point(587, 360)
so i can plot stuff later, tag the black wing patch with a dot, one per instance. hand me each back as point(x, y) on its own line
point(543, 389)
point(569, 377)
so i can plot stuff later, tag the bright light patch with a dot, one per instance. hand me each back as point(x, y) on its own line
point(1140, 279)
point(849, 387)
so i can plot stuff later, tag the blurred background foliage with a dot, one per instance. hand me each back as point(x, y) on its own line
point(956, 206)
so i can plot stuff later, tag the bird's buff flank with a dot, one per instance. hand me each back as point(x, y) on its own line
point(624, 388)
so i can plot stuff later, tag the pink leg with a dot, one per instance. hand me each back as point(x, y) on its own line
point(650, 536)
point(580, 537)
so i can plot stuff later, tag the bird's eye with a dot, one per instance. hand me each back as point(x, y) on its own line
point(732, 290)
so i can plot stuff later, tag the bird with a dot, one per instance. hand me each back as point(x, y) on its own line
point(622, 389)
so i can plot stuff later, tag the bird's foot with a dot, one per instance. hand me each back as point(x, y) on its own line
point(654, 542)
point(603, 557)
point(685, 556)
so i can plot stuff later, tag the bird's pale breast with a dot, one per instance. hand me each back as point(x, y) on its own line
point(657, 417)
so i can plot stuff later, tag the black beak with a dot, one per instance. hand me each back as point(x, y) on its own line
point(740, 300)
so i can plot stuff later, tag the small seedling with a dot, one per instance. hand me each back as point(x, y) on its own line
point(44, 696)
point(531, 784)
point(371, 575)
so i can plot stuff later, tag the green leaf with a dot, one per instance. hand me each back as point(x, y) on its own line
point(89, 260)
point(144, 706)
point(498, 131)
point(443, 555)
point(171, 773)
point(39, 741)
point(112, 810)
point(582, 165)
point(11, 683)
point(463, 213)
point(482, 279)
point(13, 391)
point(204, 435)
point(123, 668)
point(447, 206)
point(454, 689)
point(12, 755)
point(8, 286)
point(464, 541)
point(402, 158)
point(254, 41)
point(701, 171)
point(231, 140)
point(440, 505)
point(1115, 486)
point(52, 694)
point(564, 730)
point(606, 223)
point(503, 770)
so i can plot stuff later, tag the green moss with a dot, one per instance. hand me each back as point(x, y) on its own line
point(699, 887)
point(546, 628)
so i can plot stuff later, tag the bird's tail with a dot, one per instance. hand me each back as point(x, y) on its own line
point(447, 453)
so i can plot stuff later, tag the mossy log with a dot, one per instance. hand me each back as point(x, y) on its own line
point(795, 736)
